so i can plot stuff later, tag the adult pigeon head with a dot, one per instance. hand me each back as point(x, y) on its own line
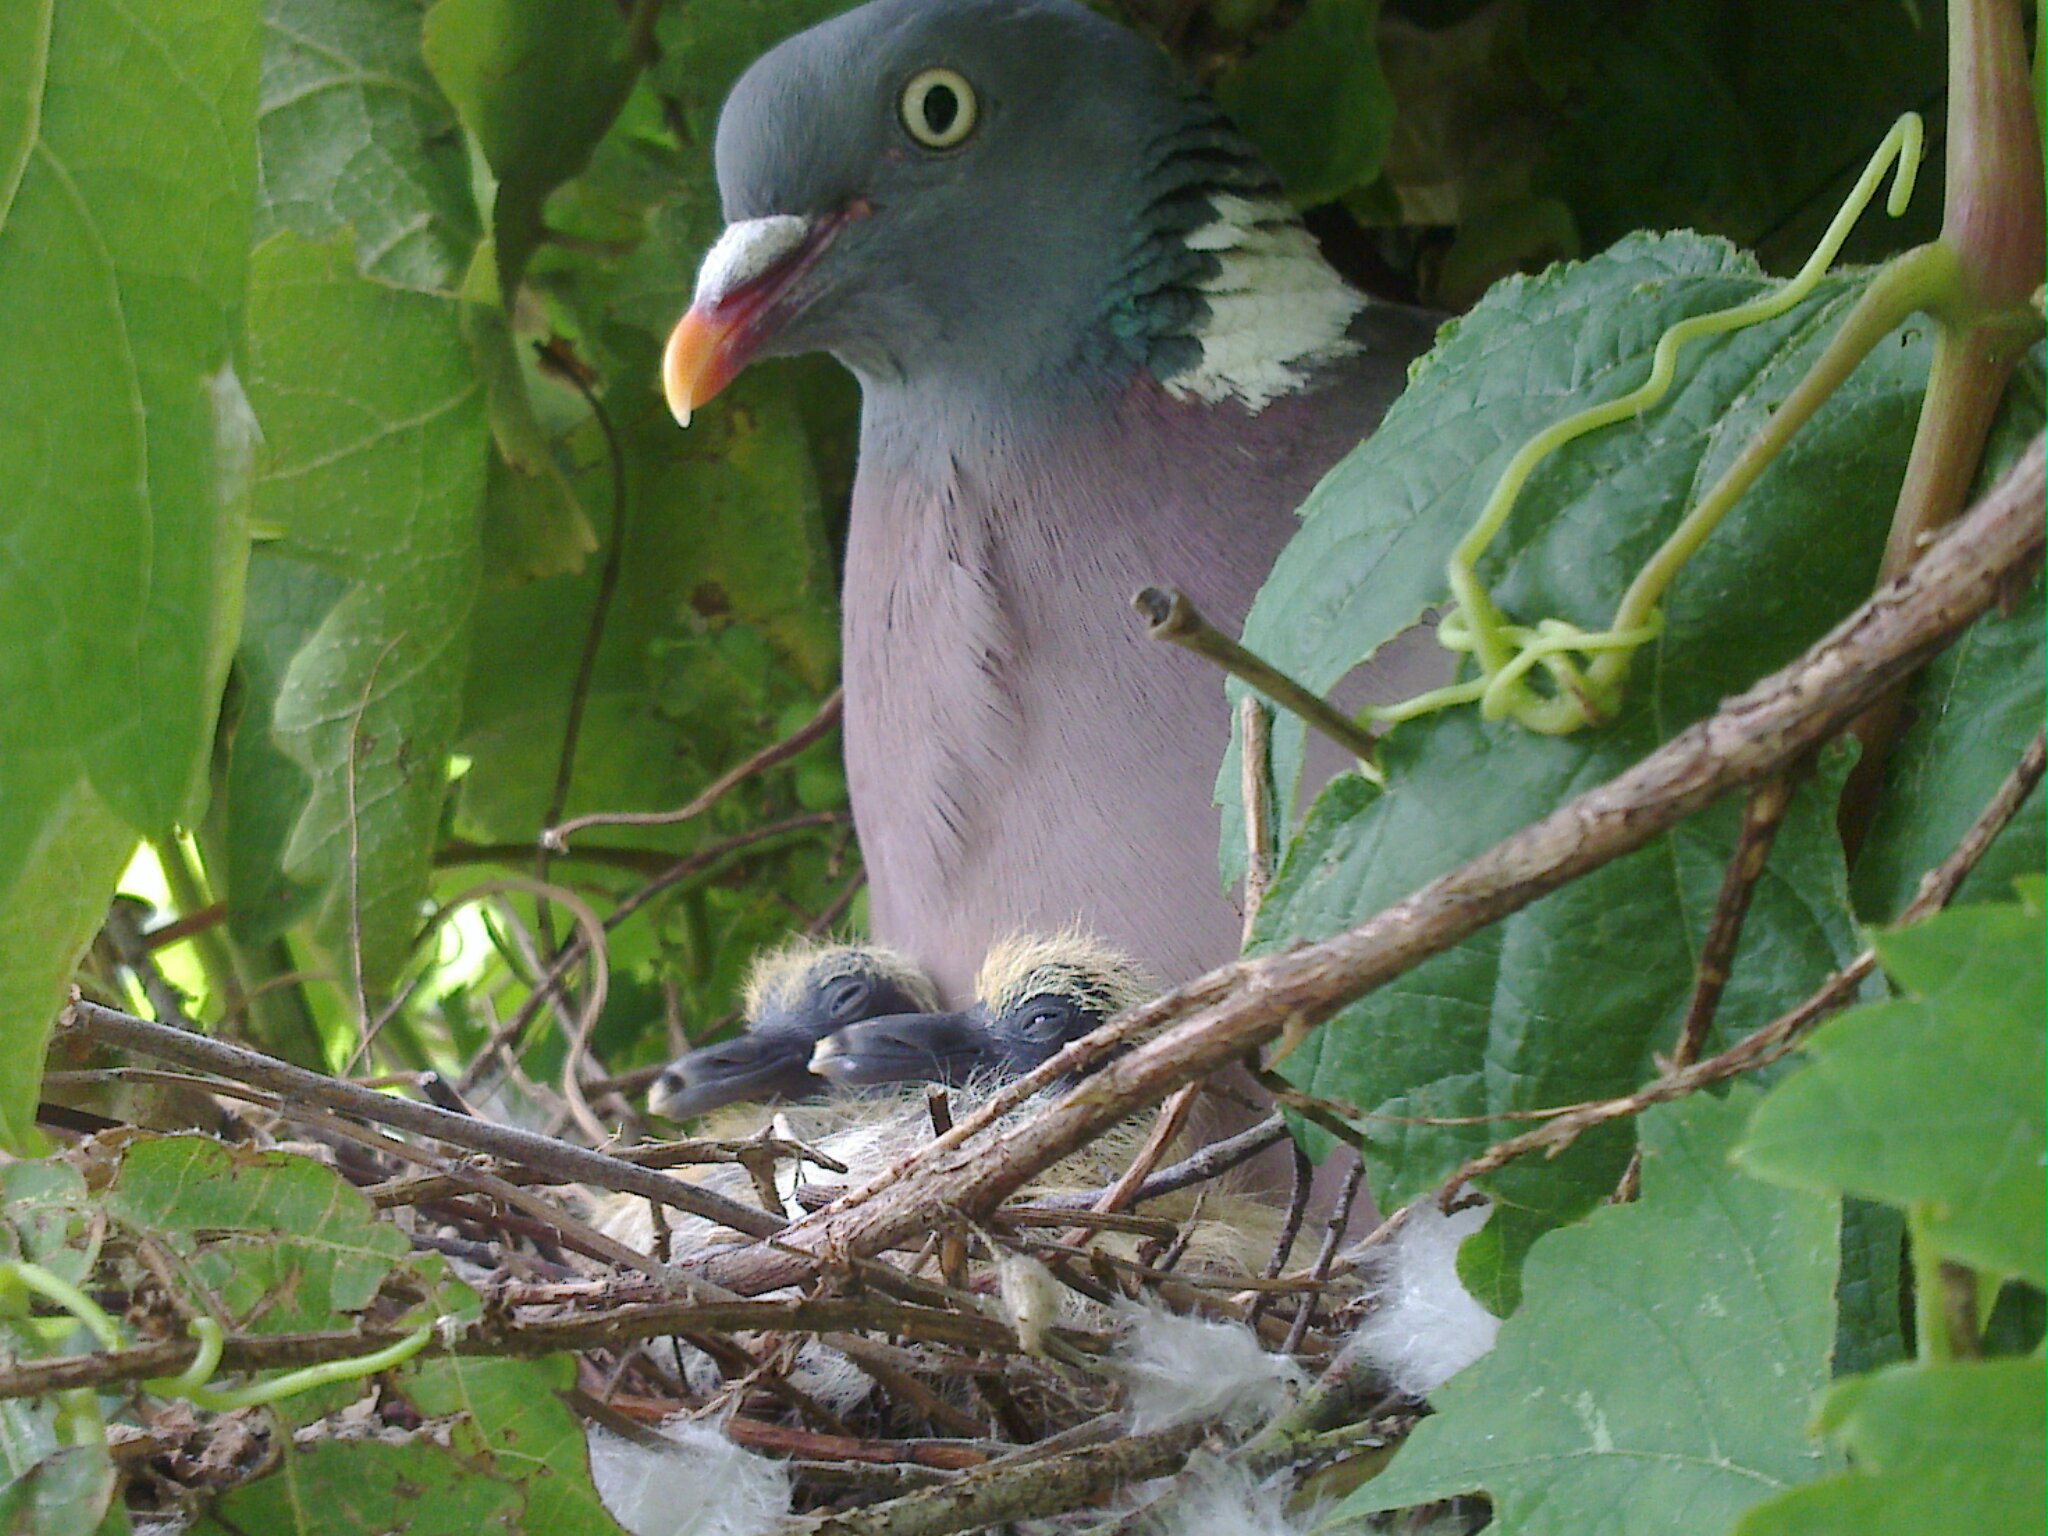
point(998, 204)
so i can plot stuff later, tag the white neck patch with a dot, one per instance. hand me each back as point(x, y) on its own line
point(1276, 308)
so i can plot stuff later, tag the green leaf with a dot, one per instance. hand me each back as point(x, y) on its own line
point(284, 1243)
point(374, 451)
point(1972, 710)
point(1936, 1448)
point(45, 1219)
point(61, 850)
point(1565, 1001)
point(1870, 1331)
point(125, 183)
point(345, 1488)
point(1571, 998)
point(49, 1486)
point(723, 614)
point(1935, 1100)
point(537, 82)
point(266, 790)
point(1687, 114)
point(1658, 1377)
point(704, 48)
point(514, 1419)
point(1376, 534)
point(355, 136)
point(1315, 102)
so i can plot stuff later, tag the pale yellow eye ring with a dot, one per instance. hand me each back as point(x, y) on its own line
point(938, 108)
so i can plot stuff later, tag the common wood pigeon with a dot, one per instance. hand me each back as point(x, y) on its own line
point(1097, 350)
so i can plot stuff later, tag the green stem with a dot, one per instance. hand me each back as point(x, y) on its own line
point(1930, 1314)
point(189, 892)
point(1914, 281)
point(1583, 698)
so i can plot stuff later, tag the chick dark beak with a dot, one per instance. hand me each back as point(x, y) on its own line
point(732, 1072)
point(905, 1048)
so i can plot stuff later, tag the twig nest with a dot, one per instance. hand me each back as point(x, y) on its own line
point(698, 1484)
point(1424, 1326)
point(1185, 1370)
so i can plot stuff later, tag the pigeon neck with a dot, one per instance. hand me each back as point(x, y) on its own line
point(1187, 270)
point(1224, 294)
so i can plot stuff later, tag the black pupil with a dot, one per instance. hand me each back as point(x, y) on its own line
point(941, 109)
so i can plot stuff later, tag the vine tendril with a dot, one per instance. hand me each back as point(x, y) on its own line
point(1507, 652)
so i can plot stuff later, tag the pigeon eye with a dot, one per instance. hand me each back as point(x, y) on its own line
point(938, 108)
point(847, 998)
point(1046, 1020)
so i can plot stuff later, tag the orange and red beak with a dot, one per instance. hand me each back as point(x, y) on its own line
point(739, 304)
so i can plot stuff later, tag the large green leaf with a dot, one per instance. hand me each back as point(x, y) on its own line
point(345, 1488)
point(1571, 998)
point(1315, 102)
point(513, 1418)
point(374, 452)
point(1936, 1448)
point(356, 136)
point(280, 1242)
point(125, 184)
point(1376, 534)
point(1932, 1101)
point(537, 82)
point(1971, 711)
point(1658, 1379)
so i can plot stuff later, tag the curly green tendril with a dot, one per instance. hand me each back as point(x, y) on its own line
point(82, 1311)
point(1506, 652)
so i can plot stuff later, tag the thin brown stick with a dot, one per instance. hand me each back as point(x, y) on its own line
point(1255, 792)
point(186, 925)
point(989, 1496)
point(556, 839)
point(1170, 616)
point(1290, 1229)
point(1201, 1026)
point(1937, 886)
point(593, 632)
point(1213, 1161)
point(596, 1328)
point(1326, 1255)
point(561, 1160)
point(1762, 814)
point(1173, 1115)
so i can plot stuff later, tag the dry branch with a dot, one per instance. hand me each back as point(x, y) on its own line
point(564, 1161)
point(1215, 1019)
point(1782, 1033)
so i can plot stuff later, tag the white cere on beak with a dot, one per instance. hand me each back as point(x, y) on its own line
point(745, 251)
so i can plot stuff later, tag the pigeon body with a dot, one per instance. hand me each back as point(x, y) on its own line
point(1097, 352)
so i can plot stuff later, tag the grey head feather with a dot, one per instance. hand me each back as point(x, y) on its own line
point(1044, 254)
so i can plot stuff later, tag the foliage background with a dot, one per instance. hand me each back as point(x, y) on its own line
point(345, 542)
